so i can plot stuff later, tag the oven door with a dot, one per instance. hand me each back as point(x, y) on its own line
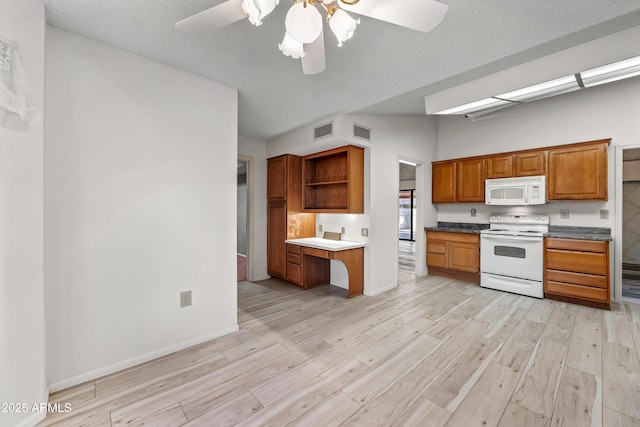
point(512, 256)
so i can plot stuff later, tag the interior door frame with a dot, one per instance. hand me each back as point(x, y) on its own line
point(249, 266)
point(420, 241)
point(618, 233)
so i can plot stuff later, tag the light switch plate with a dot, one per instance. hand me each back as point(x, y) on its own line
point(320, 228)
point(473, 211)
point(604, 214)
point(564, 213)
point(364, 232)
point(185, 299)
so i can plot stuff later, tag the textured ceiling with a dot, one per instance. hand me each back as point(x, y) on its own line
point(382, 69)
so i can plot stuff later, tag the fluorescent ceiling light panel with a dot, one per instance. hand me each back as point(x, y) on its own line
point(406, 162)
point(542, 90)
point(612, 72)
point(474, 106)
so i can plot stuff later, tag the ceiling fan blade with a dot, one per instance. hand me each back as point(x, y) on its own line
point(313, 60)
point(420, 15)
point(214, 18)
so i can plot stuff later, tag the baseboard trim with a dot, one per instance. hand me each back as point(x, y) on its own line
point(379, 291)
point(36, 417)
point(125, 364)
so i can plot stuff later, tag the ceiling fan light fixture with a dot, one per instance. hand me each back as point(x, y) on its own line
point(249, 7)
point(342, 25)
point(303, 22)
point(290, 47)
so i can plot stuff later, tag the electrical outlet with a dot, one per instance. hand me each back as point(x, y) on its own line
point(342, 230)
point(185, 299)
point(564, 213)
point(320, 228)
point(364, 232)
point(473, 211)
point(604, 214)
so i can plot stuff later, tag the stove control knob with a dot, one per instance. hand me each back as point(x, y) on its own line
point(537, 218)
point(498, 217)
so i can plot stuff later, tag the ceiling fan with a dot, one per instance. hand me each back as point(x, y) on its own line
point(304, 37)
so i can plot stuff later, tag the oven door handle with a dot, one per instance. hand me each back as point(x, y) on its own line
point(504, 237)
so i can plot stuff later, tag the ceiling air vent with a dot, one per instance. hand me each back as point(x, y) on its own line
point(362, 132)
point(323, 131)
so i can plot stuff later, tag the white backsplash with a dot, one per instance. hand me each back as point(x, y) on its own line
point(583, 214)
point(352, 223)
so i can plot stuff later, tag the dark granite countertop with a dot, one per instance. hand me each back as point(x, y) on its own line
point(458, 227)
point(579, 233)
point(557, 231)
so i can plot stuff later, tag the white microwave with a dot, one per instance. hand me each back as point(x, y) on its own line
point(528, 190)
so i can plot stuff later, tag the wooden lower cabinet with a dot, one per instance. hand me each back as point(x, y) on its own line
point(294, 265)
point(454, 255)
point(577, 271)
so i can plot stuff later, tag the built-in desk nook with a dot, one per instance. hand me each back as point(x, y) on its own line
point(309, 261)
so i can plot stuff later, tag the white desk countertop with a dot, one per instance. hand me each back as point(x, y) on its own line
point(326, 244)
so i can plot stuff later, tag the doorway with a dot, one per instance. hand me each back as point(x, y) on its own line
point(407, 215)
point(242, 246)
point(631, 224)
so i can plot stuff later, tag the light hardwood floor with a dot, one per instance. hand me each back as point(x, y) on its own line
point(432, 352)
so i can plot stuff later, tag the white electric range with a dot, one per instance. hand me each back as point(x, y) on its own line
point(511, 253)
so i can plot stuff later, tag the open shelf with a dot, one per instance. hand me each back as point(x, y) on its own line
point(334, 181)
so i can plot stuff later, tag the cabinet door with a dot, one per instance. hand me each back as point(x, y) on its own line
point(578, 173)
point(530, 164)
point(464, 256)
point(443, 182)
point(277, 178)
point(500, 167)
point(470, 186)
point(276, 235)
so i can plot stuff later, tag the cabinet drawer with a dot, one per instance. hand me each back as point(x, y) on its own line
point(576, 245)
point(436, 247)
point(294, 273)
point(579, 262)
point(293, 258)
point(436, 260)
point(293, 249)
point(577, 291)
point(453, 237)
point(320, 253)
point(577, 278)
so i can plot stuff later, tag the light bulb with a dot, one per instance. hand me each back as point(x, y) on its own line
point(291, 47)
point(303, 22)
point(342, 25)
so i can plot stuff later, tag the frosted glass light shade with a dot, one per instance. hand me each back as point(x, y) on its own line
point(303, 22)
point(265, 7)
point(291, 47)
point(342, 25)
point(258, 9)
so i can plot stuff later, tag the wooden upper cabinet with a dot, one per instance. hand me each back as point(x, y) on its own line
point(530, 164)
point(578, 173)
point(500, 167)
point(276, 178)
point(443, 182)
point(512, 165)
point(470, 185)
point(334, 181)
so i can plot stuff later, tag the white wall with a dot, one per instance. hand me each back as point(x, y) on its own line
point(256, 151)
point(392, 137)
point(140, 203)
point(22, 331)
